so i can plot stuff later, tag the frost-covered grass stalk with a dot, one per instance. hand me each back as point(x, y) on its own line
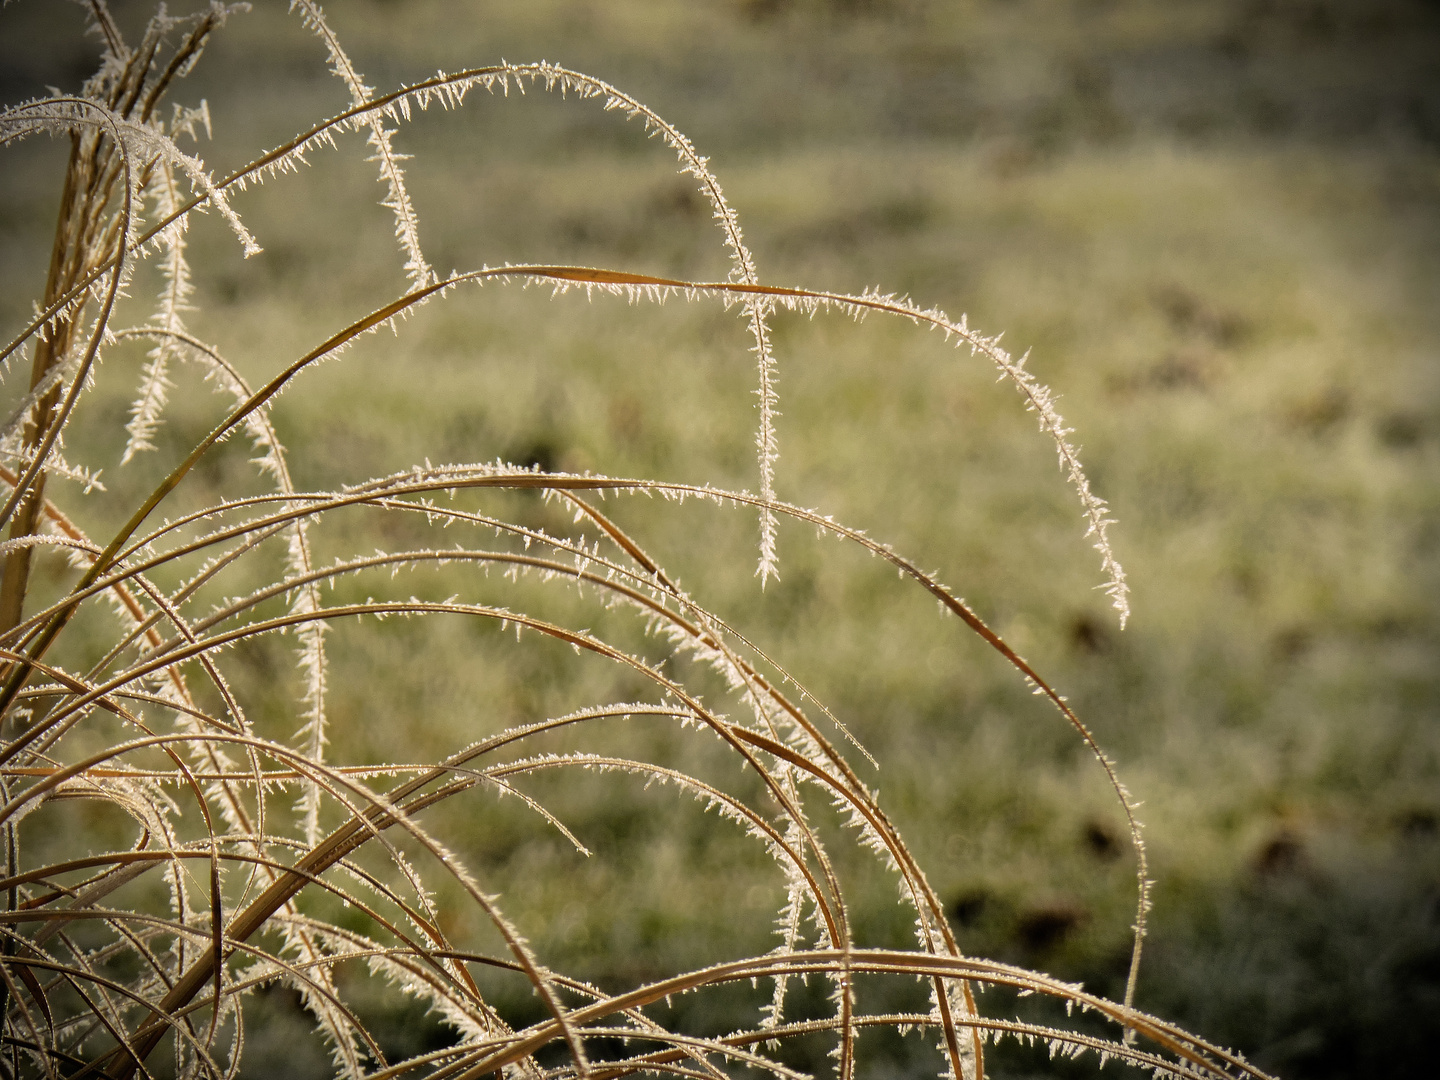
point(131, 958)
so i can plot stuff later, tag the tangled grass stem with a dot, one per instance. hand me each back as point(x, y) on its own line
point(101, 974)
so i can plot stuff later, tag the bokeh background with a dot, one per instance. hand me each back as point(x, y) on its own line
point(1216, 225)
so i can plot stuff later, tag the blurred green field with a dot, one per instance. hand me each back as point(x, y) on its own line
point(1217, 226)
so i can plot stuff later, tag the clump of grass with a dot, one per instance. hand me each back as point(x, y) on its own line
point(233, 851)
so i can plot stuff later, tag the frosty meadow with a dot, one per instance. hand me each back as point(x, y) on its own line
point(179, 841)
